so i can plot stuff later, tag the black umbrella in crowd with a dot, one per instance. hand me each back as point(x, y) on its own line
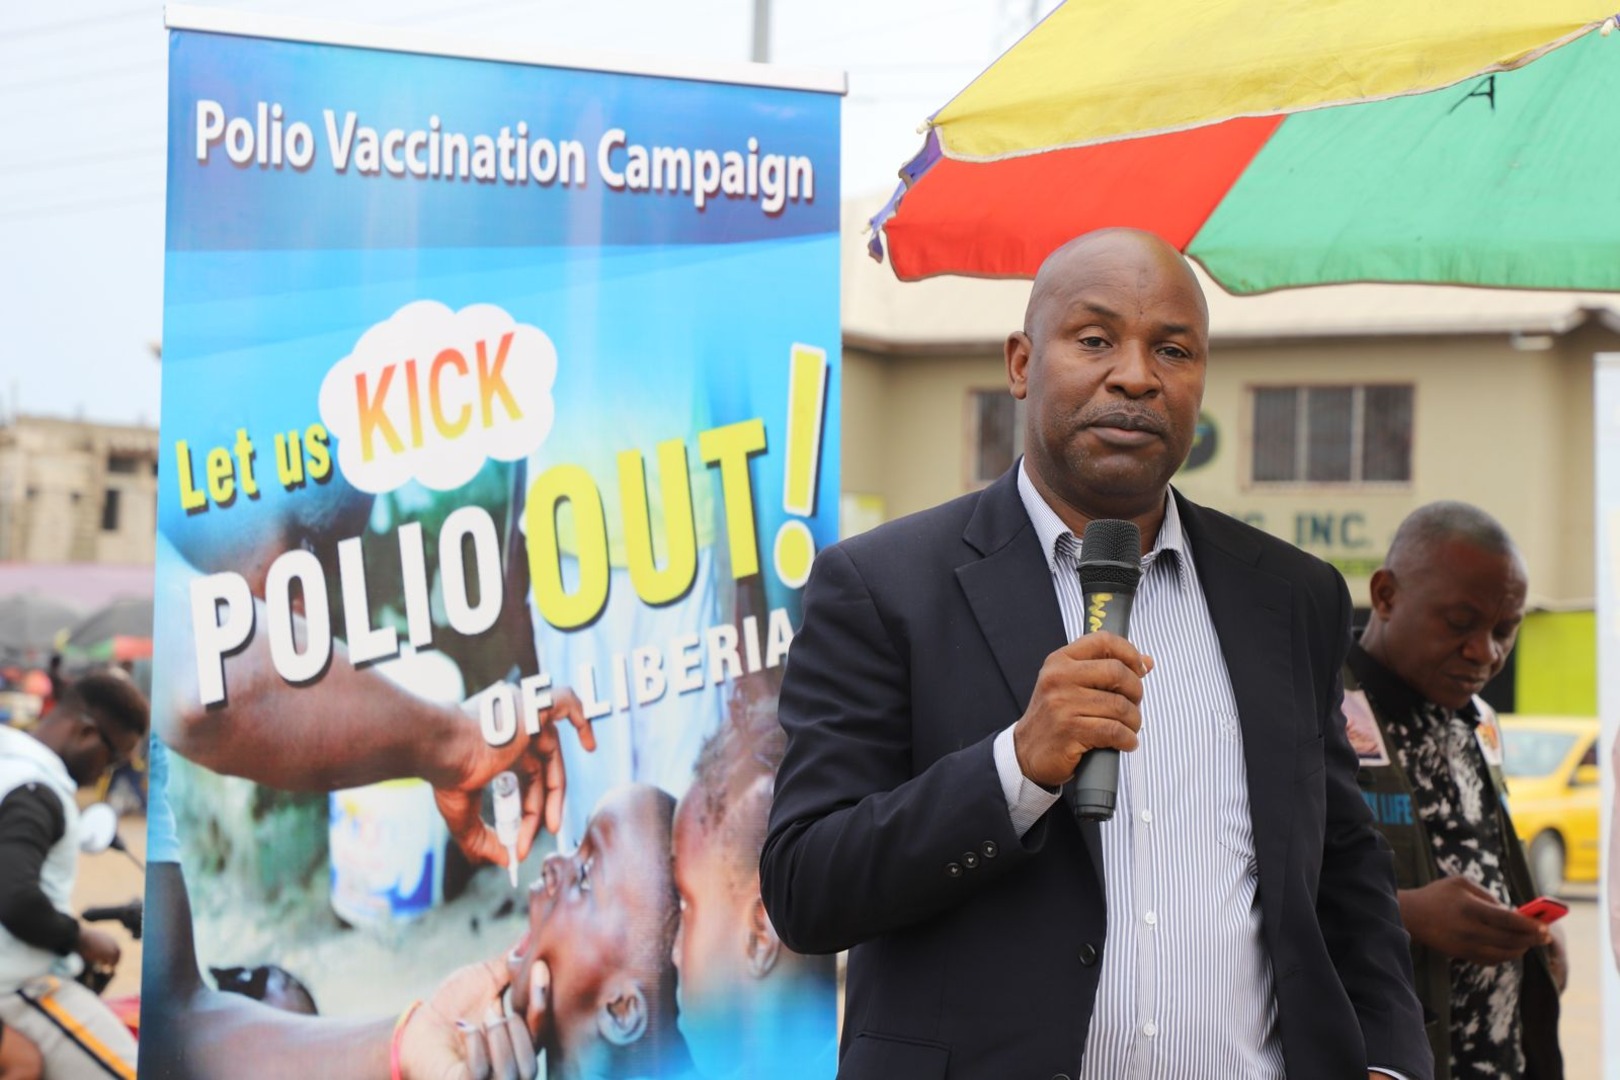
point(128, 618)
point(30, 622)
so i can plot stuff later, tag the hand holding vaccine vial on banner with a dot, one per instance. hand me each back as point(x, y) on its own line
point(508, 812)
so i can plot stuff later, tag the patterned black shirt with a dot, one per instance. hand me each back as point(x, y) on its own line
point(1439, 751)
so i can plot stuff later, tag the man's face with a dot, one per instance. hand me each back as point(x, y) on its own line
point(94, 748)
point(588, 909)
point(711, 951)
point(1450, 619)
point(1112, 370)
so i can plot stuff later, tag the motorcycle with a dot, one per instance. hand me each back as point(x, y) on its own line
point(98, 832)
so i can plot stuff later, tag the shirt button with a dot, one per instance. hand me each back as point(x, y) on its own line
point(1088, 954)
point(1150, 1029)
point(989, 849)
point(953, 869)
point(1147, 817)
point(1151, 919)
point(970, 860)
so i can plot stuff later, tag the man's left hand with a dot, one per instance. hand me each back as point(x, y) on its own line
point(538, 763)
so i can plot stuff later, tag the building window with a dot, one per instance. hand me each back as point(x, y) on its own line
point(109, 511)
point(1332, 435)
point(123, 463)
point(997, 421)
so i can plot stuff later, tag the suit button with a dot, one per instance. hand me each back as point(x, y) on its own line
point(953, 869)
point(1088, 954)
point(989, 849)
point(1061, 1076)
point(970, 860)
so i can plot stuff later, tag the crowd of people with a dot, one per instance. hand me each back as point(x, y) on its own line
point(52, 1025)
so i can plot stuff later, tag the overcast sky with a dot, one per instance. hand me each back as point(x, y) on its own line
point(82, 100)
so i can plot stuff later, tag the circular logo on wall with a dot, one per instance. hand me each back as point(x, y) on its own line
point(1204, 444)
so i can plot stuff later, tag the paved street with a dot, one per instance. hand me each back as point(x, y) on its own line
point(1580, 1031)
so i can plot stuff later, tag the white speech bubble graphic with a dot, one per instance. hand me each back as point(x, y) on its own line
point(429, 394)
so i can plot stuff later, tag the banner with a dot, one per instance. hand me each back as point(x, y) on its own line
point(499, 432)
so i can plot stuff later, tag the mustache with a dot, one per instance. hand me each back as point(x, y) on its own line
point(1116, 416)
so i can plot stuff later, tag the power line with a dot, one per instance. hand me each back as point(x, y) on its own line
point(76, 206)
point(84, 159)
point(63, 25)
point(80, 77)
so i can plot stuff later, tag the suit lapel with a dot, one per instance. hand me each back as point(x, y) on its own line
point(1252, 613)
point(1009, 590)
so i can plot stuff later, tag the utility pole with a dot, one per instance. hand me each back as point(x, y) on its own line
point(762, 32)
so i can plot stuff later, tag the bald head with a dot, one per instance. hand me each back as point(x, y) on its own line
point(1117, 250)
point(1111, 369)
point(1430, 528)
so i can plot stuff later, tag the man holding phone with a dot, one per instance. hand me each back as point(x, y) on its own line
point(1446, 609)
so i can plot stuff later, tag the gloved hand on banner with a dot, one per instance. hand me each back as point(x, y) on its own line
point(538, 762)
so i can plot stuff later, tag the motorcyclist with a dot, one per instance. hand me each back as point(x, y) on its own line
point(98, 722)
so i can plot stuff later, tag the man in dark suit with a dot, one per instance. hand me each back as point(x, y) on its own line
point(1237, 915)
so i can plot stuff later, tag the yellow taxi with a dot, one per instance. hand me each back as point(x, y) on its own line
point(1554, 794)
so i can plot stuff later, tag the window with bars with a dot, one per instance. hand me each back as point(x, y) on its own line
point(997, 422)
point(1333, 434)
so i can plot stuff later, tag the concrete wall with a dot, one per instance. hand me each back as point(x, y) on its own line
point(54, 476)
point(909, 443)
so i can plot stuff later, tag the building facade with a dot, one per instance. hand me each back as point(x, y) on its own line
point(74, 491)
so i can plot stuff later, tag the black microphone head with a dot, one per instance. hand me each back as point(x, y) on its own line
point(1111, 555)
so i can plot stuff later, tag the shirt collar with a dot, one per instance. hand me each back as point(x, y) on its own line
point(1392, 692)
point(1049, 528)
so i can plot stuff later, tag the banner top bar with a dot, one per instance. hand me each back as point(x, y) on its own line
point(409, 40)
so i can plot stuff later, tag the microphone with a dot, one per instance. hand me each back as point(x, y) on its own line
point(1110, 567)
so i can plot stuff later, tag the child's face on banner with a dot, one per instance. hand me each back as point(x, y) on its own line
point(594, 916)
point(711, 945)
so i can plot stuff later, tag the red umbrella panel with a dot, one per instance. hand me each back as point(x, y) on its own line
point(1000, 219)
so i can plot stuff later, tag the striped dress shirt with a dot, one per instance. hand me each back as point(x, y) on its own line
point(1186, 989)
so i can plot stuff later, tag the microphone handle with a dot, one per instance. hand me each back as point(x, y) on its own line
point(1096, 781)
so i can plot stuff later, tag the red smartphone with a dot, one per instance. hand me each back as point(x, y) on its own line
point(1544, 909)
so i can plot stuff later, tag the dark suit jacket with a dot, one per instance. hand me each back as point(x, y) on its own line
point(976, 953)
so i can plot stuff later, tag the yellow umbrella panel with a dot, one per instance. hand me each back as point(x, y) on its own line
point(1097, 70)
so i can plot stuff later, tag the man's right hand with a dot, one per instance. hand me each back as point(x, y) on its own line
point(1087, 697)
point(1460, 919)
point(99, 948)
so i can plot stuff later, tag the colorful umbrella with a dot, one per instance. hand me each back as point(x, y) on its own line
point(115, 650)
point(120, 630)
point(1286, 142)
